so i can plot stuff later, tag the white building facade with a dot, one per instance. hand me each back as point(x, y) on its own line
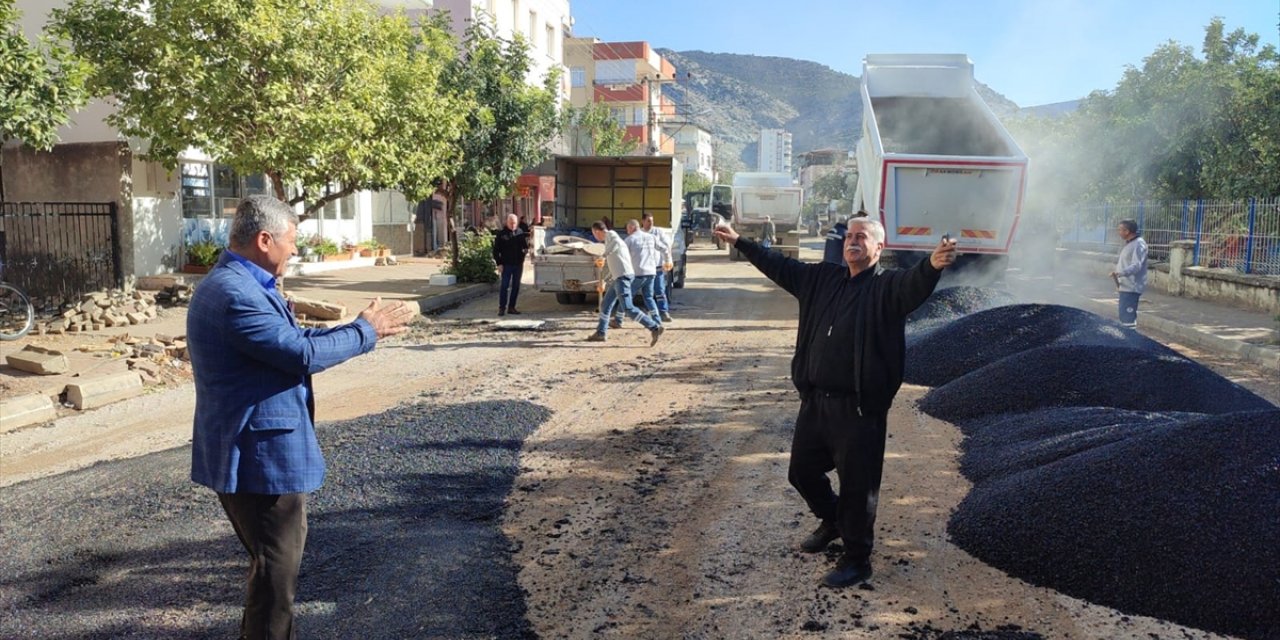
point(694, 149)
point(774, 152)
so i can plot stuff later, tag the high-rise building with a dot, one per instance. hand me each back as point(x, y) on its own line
point(774, 153)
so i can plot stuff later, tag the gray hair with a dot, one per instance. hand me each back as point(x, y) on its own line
point(633, 223)
point(257, 214)
point(877, 229)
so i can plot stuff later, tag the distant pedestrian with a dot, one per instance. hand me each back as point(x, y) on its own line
point(770, 233)
point(850, 353)
point(1130, 274)
point(618, 259)
point(254, 439)
point(663, 279)
point(509, 249)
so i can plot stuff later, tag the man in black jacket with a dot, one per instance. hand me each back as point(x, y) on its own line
point(509, 248)
point(850, 351)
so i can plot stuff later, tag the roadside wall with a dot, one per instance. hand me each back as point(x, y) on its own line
point(1261, 293)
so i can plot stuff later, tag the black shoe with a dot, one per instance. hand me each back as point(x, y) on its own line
point(596, 337)
point(513, 311)
point(847, 573)
point(824, 535)
point(666, 317)
point(615, 324)
point(502, 312)
point(654, 334)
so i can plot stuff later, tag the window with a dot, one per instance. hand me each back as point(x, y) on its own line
point(637, 116)
point(533, 29)
point(619, 114)
point(615, 72)
point(551, 46)
point(578, 76)
point(515, 17)
point(215, 190)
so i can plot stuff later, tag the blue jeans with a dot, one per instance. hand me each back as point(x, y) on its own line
point(643, 285)
point(660, 291)
point(767, 244)
point(510, 280)
point(620, 292)
point(1129, 307)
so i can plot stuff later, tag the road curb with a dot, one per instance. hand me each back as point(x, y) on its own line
point(1262, 355)
point(432, 304)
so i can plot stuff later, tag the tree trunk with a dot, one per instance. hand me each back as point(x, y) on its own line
point(451, 202)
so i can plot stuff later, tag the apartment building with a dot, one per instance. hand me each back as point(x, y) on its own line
point(774, 151)
point(628, 78)
point(694, 149)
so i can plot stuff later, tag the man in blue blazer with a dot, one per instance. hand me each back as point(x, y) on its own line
point(254, 440)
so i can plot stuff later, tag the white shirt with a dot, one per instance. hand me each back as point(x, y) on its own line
point(645, 256)
point(1131, 266)
point(617, 256)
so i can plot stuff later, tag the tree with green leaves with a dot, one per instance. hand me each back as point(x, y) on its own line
point(694, 182)
point(40, 85)
point(836, 185)
point(326, 97)
point(510, 124)
point(596, 132)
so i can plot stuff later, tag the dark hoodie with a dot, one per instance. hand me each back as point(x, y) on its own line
point(851, 335)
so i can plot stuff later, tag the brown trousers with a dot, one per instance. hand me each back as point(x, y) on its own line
point(273, 530)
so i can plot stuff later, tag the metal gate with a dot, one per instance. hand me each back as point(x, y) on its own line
point(60, 249)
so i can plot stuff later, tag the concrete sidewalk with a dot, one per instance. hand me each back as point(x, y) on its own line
point(408, 280)
point(1253, 336)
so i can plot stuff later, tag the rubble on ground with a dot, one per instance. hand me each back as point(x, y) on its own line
point(101, 309)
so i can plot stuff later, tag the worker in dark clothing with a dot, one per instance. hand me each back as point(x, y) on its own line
point(509, 249)
point(850, 352)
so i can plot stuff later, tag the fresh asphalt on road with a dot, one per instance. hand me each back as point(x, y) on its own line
point(403, 538)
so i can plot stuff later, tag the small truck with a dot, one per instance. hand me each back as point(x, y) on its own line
point(613, 188)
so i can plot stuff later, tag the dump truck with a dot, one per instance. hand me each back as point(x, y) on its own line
point(934, 160)
point(760, 194)
point(591, 188)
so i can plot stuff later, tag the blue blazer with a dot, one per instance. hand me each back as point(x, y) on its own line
point(254, 429)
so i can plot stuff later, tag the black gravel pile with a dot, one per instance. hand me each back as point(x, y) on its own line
point(1180, 522)
point(1075, 375)
point(948, 304)
point(974, 341)
point(1009, 444)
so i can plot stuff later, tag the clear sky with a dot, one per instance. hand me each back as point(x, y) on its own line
point(1034, 51)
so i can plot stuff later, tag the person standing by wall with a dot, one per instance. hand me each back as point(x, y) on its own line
point(1130, 274)
point(254, 439)
point(510, 247)
point(849, 357)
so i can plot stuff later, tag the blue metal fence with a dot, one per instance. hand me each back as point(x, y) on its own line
point(1241, 235)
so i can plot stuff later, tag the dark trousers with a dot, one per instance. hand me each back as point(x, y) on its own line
point(1129, 307)
point(510, 281)
point(273, 530)
point(831, 435)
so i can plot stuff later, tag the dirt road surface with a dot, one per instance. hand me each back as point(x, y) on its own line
point(651, 502)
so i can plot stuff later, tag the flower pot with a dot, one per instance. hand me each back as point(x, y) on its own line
point(337, 257)
point(366, 253)
point(196, 268)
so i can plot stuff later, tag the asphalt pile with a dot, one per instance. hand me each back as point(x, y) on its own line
point(974, 340)
point(946, 305)
point(1109, 467)
point(1073, 375)
point(1178, 521)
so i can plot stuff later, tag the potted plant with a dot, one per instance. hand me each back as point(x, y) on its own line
point(201, 256)
point(371, 248)
point(328, 250)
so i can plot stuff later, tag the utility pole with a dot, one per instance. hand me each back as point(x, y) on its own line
point(653, 98)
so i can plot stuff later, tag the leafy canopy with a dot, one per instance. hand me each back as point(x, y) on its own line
point(39, 84)
point(326, 97)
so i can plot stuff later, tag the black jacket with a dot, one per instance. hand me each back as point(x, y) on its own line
point(510, 247)
point(851, 335)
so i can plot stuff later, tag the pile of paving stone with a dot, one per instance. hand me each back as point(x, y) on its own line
point(948, 304)
point(1086, 375)
point(175, 294)
point(978, 339)
point(99, 309)
point(1174, 519)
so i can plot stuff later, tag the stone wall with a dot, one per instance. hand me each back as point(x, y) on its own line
point(396, 236)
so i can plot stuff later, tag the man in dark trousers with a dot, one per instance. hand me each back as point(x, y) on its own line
point(509, 249)
point(254, 438)
point(850, 352)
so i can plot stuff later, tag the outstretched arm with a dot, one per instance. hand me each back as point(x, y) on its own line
point(787, 273)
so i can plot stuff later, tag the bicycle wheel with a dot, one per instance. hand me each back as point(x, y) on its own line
point(17, 316)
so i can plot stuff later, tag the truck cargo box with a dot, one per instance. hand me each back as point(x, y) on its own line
point(933, 158)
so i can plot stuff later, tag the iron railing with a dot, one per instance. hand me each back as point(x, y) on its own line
point(61, 249)
point(1241, 235)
